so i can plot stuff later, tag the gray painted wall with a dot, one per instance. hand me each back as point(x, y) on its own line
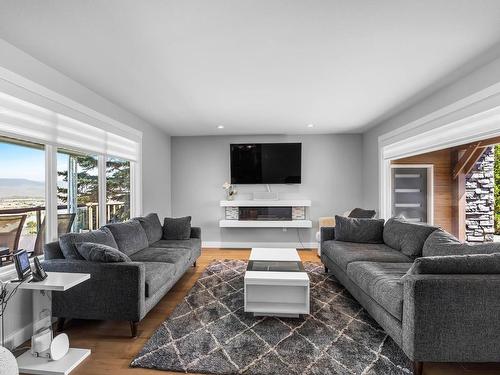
point(155, 155)
point(331, 178)
point(477, 80)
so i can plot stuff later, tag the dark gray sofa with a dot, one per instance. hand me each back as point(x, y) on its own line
point(440, 310)
point(125, 290)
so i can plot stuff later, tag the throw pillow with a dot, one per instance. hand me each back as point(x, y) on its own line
point(359, 213)
point(129, 236)
point(95, 252)
point(177, 228)
point(68, 241)
point(409, 238)
point(442, 243)
point(359, 230)
point(152, 226)
point(457, 264)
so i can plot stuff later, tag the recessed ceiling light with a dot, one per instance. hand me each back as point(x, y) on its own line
point(310, 125)
point(220, 126)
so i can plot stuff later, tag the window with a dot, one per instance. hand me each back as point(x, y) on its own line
point(117, 190)
point(77, 192)
point(22, 197)
point(62, 170)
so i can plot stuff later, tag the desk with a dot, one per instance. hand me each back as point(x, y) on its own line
point(42, 317)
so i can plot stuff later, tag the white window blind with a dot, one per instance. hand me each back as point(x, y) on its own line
point(22, 119)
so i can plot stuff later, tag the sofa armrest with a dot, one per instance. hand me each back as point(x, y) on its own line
point(195, 232)
point(451, 318)
point(327, 234)
point(115, 291)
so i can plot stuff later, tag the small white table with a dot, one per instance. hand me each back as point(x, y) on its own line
point(275, 283)
point(42, 317)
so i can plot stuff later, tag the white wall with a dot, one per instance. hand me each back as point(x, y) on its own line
point(331, 178)
point(155, 154)
point(473, 82)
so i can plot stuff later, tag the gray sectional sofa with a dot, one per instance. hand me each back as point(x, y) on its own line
point(132, 283)
point(438, 299)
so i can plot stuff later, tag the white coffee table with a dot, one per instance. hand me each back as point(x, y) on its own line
point(275, 283)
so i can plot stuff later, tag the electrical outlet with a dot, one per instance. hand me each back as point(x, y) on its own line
point(284, 229)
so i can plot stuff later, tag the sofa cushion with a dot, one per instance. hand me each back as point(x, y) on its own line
point(177, 228)
point(343, 253)
point(441, 243)
point(129, 236)
point(152, 226)
point(68, 241)
point(359, 230)
point(409, 238)
point(157, 275)
point(180, 258)
point(382, 282)
point(478, 264)
point(360, 213)
point(96, 252)
point(192, 243)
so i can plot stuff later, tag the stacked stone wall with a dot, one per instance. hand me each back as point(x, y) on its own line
point(480, 198)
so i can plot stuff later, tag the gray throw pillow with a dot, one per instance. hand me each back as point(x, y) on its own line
point(152, 226)
point(129, 236)
point(409, 238)
point(177, 228)
point(457, 264)
point(68, 241)
point(95, 252)
point(360, 213)
point(359, 230)
point(442, 243)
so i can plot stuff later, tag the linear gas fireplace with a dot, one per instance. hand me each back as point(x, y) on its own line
point(265, 213)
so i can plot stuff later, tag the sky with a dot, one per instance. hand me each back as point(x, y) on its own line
point(21, 162)
point(18, 161)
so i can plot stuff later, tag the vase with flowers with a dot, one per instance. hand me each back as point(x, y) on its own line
point(230, 191)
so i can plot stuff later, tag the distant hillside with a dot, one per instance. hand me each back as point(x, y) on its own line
point(19, 187)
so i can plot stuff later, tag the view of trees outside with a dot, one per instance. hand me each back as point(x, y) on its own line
point(117, 189)
point(497, 189)
point(83, 169)
point(77, 177)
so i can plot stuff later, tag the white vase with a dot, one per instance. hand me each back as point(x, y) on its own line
point(8, 363)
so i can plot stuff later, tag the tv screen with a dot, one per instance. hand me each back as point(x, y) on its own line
point(266, 163)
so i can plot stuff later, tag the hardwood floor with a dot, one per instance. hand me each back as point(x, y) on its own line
point(113, 349)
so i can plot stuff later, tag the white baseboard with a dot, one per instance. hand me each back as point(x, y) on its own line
point(247, 245)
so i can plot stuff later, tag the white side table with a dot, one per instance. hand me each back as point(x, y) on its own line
point(42, 317)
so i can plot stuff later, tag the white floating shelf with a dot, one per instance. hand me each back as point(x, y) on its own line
point(267, 203)
point(265, 224)
point(408, 205)
point(407, 190)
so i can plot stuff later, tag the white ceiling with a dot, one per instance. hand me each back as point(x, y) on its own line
point(254, 66)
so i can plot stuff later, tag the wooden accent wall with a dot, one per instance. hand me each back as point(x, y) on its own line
point(443, 184)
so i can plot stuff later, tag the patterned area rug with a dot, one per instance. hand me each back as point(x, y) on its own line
point(210, 333)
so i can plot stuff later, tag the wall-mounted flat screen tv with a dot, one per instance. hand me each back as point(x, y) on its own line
point(266, 163)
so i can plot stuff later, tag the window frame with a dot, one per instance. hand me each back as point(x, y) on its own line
point(31, 94)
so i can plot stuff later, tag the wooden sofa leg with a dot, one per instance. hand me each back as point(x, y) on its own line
point(60, 324)
point(194, 264)
point(417, 368)
point(133, 328)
